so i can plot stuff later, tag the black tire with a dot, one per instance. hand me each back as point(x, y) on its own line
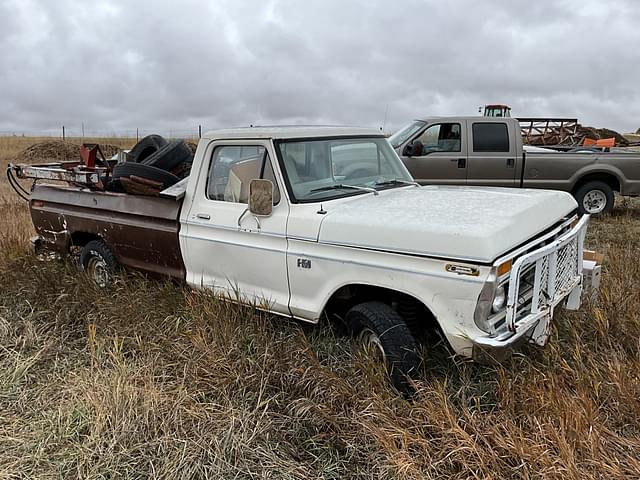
point(395, 339)
point(170, 156)
point(145, 171)
point(114, 186)
point(145, 148)
point(99, 262)
point(594, 198)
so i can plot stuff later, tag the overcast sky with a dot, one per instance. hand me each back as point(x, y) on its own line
point(116, 65)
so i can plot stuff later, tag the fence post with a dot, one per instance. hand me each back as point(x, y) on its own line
point(137, 135)
point(199, 131)
point(63, 136)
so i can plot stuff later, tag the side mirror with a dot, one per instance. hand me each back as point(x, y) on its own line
point(261, 197)
point(414, 149)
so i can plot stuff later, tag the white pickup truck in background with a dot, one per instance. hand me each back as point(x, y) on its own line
point(308, 221)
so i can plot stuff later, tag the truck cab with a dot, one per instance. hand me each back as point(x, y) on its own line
point(462, 150)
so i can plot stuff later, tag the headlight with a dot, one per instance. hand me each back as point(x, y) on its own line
point(492, 299)
point(485, 299)
point(499, 299)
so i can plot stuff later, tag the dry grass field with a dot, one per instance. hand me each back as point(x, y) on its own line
point(152, 380)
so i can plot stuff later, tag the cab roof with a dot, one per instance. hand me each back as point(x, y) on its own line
point(291, 131)
point(476, 118)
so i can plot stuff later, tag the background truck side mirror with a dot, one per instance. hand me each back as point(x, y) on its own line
point(414, 149)
point(261, 197)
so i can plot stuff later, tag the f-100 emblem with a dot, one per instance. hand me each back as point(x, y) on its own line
point(304, 263)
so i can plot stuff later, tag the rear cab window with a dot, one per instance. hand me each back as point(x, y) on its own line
point(490, 137)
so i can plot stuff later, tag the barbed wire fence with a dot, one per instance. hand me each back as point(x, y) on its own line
point(63, 132)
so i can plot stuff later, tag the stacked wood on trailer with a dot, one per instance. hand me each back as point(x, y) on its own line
point(564, 132)
point(550, 131)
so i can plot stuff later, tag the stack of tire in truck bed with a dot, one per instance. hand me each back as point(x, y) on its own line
point(152, 165)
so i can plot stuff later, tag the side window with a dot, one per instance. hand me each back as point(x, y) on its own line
point(490, 137)
point(233, 167)
point(441, 137)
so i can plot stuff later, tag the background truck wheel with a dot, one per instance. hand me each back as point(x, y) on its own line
point(594, 198)
point(170, 156)
point(146, 147)
point(98, 262)
point(383, 330)
point(149, 172)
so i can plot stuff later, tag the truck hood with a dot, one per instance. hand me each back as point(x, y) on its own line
point(466, 223)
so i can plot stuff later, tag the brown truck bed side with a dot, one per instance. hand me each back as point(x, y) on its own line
point(563, 171)
point(141, 231)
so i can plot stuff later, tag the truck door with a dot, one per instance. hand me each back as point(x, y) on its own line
point(225, 247)
point(493, 158)
point(439, 154)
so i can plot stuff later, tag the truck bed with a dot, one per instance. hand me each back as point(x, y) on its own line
point(561, 170)
point(142, 231)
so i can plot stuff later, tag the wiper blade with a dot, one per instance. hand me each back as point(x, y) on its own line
point(342, 186)
point(395, 181)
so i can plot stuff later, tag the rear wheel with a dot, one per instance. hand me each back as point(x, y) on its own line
point(387, 337)
point(595, 198)
point(99, 262)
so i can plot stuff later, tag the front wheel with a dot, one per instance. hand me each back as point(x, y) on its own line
point(594, 198)
point(97, 260)
point(384, 332)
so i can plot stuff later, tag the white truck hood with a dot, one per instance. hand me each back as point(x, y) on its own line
point(466, 223)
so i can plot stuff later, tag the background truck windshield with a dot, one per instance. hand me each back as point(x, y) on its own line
point(329, 168)
point(405, 132)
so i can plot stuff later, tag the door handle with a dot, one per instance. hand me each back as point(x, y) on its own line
point(511, 163)
point(203, 216)
point(462, 163)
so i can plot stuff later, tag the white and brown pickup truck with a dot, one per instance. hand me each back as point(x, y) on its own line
point(308, 221)
point(489, 151)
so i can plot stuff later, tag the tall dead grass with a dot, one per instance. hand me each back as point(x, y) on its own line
point(155, 380)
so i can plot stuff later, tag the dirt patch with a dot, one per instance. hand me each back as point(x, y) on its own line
point(600, 133)
point(58, 150)
point(192, 146)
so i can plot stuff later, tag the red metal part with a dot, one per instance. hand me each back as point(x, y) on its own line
point(89, 154)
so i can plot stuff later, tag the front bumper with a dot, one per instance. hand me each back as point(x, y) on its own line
point(557, 271)
point(524, 332)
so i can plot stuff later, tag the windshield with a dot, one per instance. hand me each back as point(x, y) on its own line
point(330, 168)
point(405, 132)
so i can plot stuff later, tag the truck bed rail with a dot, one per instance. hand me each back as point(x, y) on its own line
point(75, 173)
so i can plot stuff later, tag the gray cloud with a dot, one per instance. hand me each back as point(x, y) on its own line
point(117, 65)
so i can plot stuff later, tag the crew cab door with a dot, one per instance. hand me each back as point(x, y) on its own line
point(493, 154)
point(439, 154)
point(226, 248)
